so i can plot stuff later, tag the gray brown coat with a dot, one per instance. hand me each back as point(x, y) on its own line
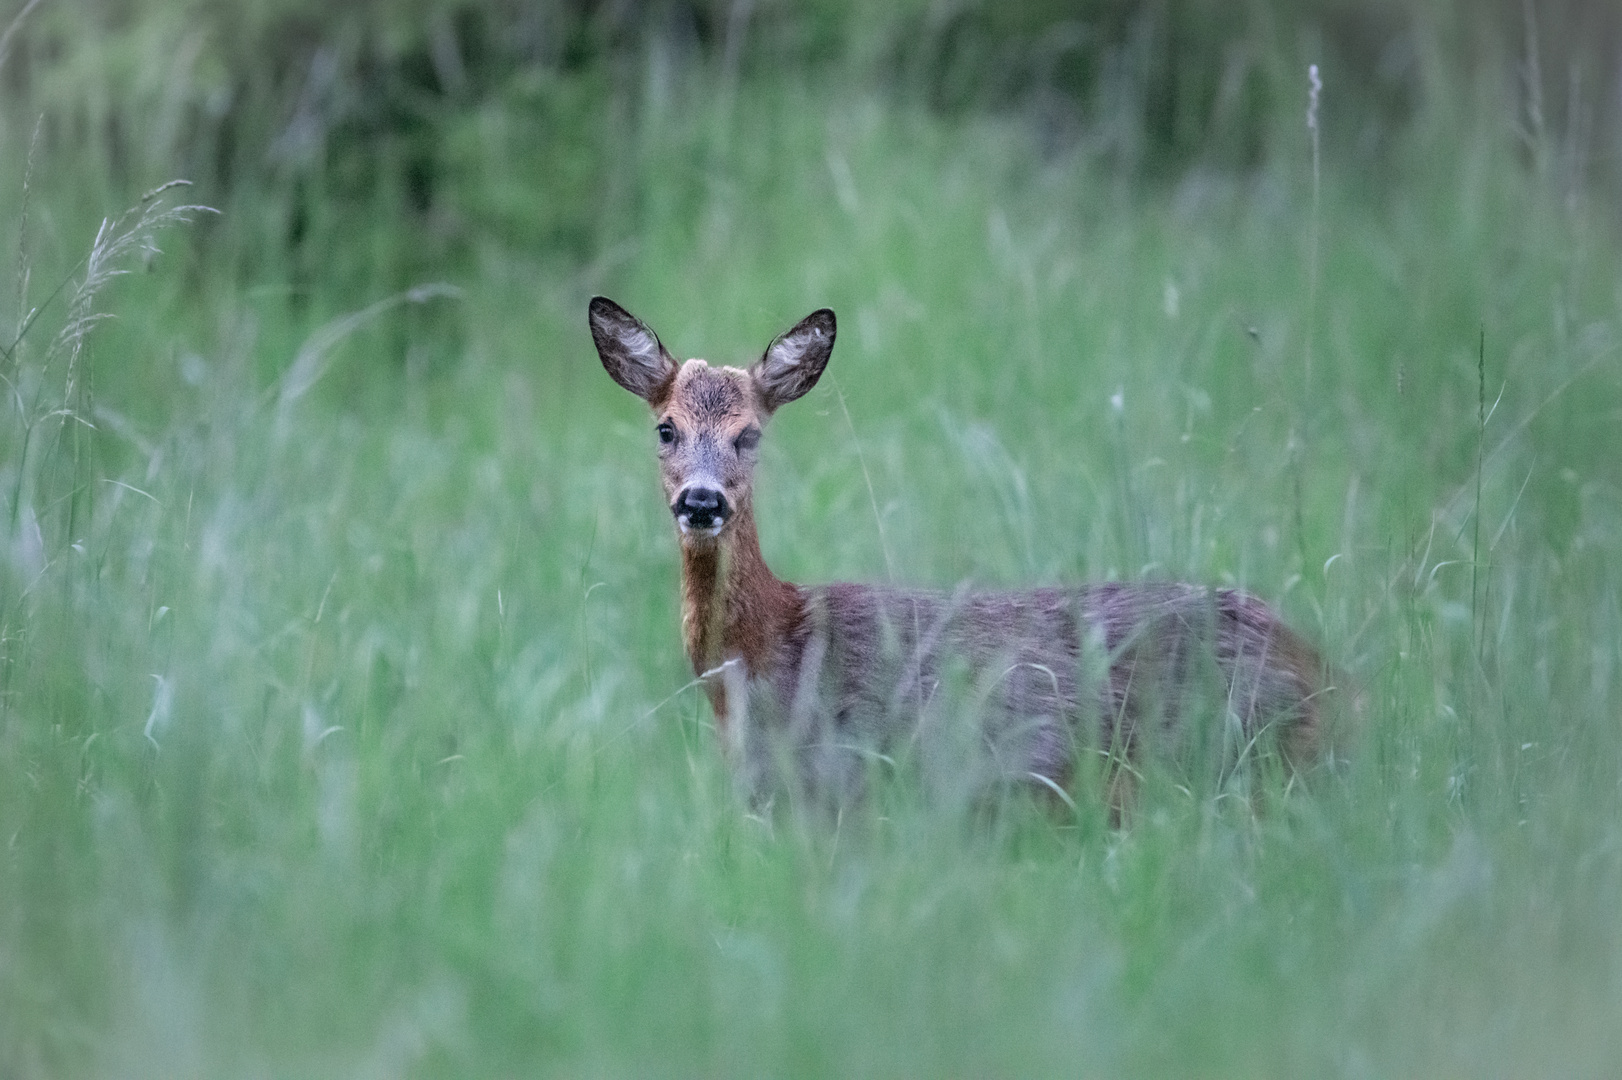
point(810, 685)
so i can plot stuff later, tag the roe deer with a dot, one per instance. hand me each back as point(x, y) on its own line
point(818, 681)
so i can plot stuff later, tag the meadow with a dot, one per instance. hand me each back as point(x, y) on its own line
point(345, 728)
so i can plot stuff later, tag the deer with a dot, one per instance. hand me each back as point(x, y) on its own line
point(809, 685)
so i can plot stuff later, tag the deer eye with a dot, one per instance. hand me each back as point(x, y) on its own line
point(667, 432)
point(747, 440)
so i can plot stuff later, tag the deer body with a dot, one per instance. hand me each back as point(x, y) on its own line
point(814, 681)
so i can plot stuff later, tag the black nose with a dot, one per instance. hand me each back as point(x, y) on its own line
point(703, 507)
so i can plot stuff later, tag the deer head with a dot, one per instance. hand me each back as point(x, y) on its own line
point(709, 419)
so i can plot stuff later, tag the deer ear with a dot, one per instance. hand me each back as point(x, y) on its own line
point(630, 351)
point(794, 362)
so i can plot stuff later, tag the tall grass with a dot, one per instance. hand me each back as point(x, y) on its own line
point(347, 731)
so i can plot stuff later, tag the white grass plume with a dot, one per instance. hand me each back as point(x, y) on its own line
point(117, 239)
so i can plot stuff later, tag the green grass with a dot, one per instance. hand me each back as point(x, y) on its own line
point(359, 741)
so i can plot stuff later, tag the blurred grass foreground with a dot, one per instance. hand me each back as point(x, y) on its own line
point(344, 724)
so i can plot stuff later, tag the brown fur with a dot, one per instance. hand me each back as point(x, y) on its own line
point(814, 682)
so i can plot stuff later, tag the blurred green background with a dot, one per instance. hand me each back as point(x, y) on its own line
point(344, 724)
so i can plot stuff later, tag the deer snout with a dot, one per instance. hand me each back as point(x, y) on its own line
point(701, 508)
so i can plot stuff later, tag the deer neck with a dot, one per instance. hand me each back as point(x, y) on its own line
point(733, 606)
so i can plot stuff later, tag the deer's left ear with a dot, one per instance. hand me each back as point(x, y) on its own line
point(794, 362)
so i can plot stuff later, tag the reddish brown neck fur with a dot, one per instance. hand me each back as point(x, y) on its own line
point(732, 604)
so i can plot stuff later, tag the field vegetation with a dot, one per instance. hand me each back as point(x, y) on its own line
point(344, 724)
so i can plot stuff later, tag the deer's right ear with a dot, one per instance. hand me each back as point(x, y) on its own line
point(630, 351)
